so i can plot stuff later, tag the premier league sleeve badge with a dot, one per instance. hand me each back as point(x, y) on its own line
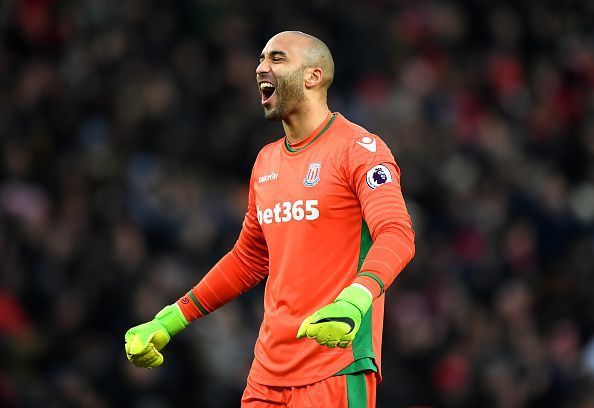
point(378, 175)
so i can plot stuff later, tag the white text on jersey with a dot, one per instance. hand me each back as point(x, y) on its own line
point(287, 211)
point(267, 177)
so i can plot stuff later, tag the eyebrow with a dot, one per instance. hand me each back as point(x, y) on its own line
point(275, 53)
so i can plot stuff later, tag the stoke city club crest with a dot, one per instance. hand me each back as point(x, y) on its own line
point(313, 175)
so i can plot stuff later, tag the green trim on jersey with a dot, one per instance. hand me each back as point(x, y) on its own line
point(366, 243)
point(357, 366)
point(356, 390)
point(374, 277)
point(198, 305)
point(363, 344)
point(289, 148)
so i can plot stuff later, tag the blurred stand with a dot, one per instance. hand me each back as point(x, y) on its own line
point(127, 134)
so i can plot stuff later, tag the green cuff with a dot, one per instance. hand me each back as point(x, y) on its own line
point(198, 305)
point(358, 297)
point(375, 278)
point(172, 319)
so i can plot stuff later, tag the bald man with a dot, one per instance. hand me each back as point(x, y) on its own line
point(326, 225)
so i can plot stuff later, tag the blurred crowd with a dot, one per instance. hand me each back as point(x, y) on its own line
point(127, 134)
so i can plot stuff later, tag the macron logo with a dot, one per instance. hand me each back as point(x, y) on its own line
point(368, 143)
point(267, 177)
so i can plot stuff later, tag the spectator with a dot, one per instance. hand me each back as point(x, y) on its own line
point(125, 127)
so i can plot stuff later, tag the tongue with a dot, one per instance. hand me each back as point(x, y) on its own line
point(267, 94)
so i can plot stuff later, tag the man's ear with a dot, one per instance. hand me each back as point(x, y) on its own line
point(313, 76)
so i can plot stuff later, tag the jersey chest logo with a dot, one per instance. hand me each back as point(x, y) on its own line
point(313, 175)
point(289, 211)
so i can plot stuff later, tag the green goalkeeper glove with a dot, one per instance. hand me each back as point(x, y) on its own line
point(145, 341)
point(337, 323)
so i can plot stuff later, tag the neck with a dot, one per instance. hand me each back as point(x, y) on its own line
point(300, 124)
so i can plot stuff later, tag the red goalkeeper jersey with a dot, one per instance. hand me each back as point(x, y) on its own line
point(322, 214)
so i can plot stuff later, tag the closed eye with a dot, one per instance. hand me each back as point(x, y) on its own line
point(275, 56)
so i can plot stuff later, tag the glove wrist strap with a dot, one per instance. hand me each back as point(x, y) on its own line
point(172, 319)
point(358, 297)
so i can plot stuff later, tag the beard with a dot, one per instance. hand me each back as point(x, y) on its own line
point(289, 93)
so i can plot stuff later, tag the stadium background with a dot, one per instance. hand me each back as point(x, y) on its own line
point(127, 134)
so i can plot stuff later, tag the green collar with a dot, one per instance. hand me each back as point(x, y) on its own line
point(292, 150)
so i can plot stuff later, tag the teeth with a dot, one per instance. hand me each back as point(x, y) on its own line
point(266, 85)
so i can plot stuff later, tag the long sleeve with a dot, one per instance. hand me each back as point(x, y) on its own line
point(237, 272)
point(375, 178)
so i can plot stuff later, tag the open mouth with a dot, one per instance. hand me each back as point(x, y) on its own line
point(267, 89)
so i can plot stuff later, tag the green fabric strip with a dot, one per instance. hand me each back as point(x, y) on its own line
point(366, 243)
point(289, 148)
point(363, 343)
point(200, 307)
point(357, 366)
point(375, 277)
point(356, 390)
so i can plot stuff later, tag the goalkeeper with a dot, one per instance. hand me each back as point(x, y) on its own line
point(327, 225)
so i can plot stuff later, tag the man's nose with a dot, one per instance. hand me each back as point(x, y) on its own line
point(263, 67)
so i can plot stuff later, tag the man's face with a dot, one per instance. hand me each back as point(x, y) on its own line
point(280, 77)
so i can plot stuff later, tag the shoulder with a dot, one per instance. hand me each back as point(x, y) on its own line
point(266, 156)
point(272, 146)
point(270, 149)
point(358, 141)
point(348, 132)
point(355, 138)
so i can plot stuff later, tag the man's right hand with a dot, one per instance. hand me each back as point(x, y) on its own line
point(145, 341)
